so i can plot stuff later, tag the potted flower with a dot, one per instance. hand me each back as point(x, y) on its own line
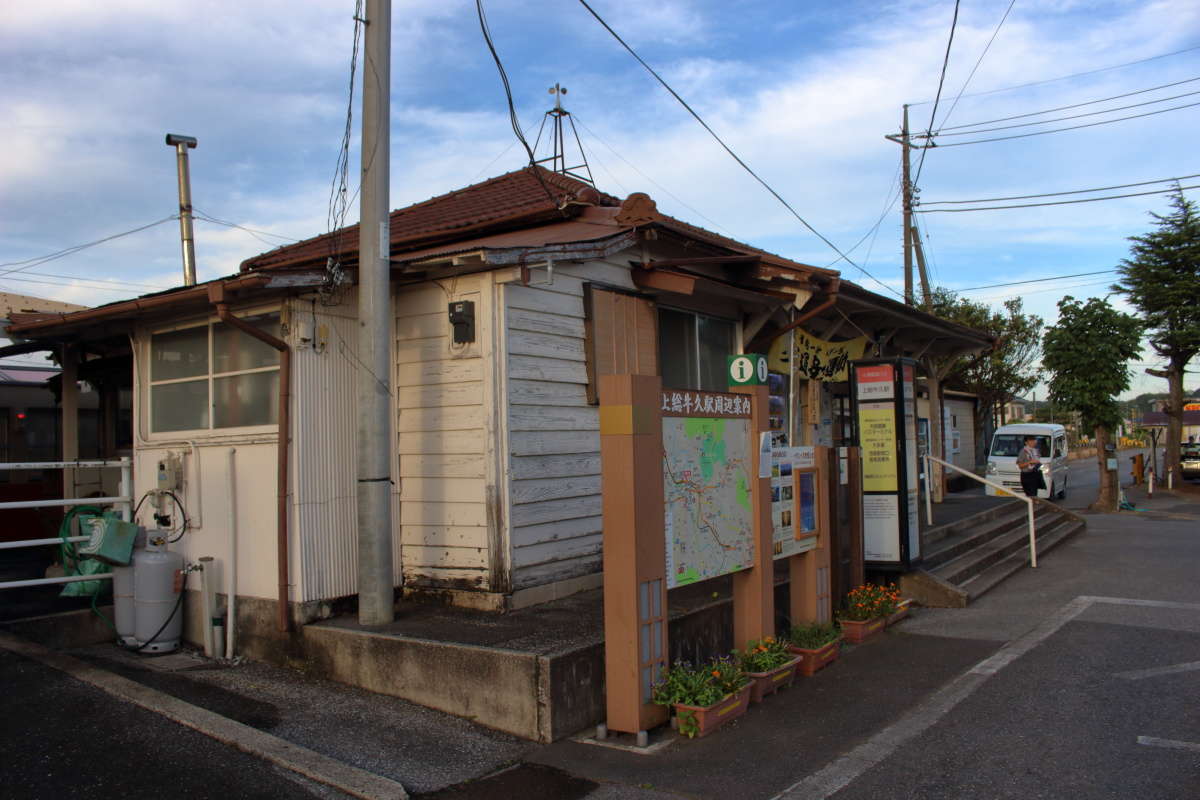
point(863, 616)
point(704, 697)
point(769, 665)
point(893, 607)
point(817, 645)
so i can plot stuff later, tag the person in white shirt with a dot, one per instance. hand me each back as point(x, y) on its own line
point(1031, 467)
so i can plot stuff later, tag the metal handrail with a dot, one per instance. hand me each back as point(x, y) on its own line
point(124, 502)
point(973, 476)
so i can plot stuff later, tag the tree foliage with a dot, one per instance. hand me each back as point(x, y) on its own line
point(1161, 278)
point(1009, 369)
point(1087, 353)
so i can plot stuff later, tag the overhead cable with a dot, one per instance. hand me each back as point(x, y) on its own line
point(29, 263)
point(1036, 280)
point(1058, 194)
point(1056, 203)
point(1073, 75)
point(732, 154)
point(512, 110)
point(978, 61)
point(1068, 107)
point(1060, 130)
point(937, 98)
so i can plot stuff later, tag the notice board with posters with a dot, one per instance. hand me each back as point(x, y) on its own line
point(883, 394)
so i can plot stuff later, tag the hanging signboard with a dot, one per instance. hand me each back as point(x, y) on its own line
point(883, 393)
point(815, 359)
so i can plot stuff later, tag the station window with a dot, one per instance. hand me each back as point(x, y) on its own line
point(692, 350)
point(214, 376)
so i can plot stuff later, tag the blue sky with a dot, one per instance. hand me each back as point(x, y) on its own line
point(804, 91)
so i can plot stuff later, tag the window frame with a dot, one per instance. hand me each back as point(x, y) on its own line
point(209, 377)
point(735, 341)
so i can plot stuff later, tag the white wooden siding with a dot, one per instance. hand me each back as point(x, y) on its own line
point(442, 396)
point(553, 434)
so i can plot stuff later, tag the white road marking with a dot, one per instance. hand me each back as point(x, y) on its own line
point(1153, 672)
point(1169, 744)
point(841, 772)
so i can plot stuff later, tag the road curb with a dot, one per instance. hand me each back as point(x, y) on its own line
point(309, 763)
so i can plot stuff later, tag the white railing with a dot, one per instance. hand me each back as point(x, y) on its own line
point(1002, 490)
point(124, 501)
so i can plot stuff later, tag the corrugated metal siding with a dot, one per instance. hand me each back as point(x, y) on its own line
point(554, 435)
point(324, 450)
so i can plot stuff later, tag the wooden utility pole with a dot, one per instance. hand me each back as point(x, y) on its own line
point(376, 584)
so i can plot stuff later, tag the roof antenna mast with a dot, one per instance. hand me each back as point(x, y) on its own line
point(558, 156)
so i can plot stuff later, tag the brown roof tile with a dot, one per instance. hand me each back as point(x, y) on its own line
point(507, 201)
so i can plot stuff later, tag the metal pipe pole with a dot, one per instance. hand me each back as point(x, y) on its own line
point(376, 586)
point(181, 145)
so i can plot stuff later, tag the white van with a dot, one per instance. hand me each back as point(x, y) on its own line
point(1052, 449)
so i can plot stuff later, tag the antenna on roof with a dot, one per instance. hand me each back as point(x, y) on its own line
point(558, 155)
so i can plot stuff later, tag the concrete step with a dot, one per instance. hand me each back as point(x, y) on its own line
point(979, 530)
point(995, 574)
point(931, 536)
point(966, 555)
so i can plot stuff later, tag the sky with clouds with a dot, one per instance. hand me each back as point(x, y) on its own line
point(805, 92)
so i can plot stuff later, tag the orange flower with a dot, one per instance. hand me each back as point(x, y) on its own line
point(716, 673)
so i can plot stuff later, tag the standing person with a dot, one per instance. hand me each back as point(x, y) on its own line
point(1031, 467)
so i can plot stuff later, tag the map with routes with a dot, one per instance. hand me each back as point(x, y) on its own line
point(706, 477)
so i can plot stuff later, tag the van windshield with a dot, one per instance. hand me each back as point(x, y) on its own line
point(1010, 444)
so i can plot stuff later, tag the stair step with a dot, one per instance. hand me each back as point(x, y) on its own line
point(931, 536)
point(982, 531)
point(974, 561)
point(995, 574)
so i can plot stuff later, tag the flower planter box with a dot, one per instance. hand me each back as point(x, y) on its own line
point(900, 613)
point(856, 631)
point(765, 683)
point(709, 718)
point(812, 661)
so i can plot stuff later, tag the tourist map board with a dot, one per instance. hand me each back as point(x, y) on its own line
point(708, 469)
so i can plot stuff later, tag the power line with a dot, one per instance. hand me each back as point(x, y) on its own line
point(21, 266)
point(1059, 194)
point(512, 110)
point(978, 61)
point(257, 234)
point(1056, 203)
point(1071, 128)
point(1073, 75)
point(937, 98)
point(1037, 280)
point(1061, 119)
point(732, 154)
point(339, 203)
point(1068, 107)
point(665, 190)
point(114, 281)
point(76, 284)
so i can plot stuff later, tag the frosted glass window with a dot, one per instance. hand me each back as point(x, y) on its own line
point(644, 600)
point(644, 653)
point(180, 406)
point(249, 399)
point(237, 387)
point(179, 354)
point(715, 344)
point(656, 598)
point(692, 350)
point(235, 350)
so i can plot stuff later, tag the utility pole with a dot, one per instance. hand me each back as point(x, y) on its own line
point(906, 187)
point(376, 586)
point(182, 144)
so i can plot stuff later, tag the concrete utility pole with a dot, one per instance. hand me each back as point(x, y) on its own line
point(906, 188)
point(182, 144)
point(376, 586)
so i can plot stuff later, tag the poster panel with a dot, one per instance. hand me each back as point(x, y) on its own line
point(877, 433)
point(789, 512)
point(881, 522)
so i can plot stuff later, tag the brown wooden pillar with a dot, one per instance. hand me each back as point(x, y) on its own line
point(754, 588)
point(635, 565)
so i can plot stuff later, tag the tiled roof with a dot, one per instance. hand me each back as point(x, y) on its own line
point(511, 200)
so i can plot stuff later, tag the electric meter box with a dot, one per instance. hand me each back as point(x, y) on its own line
point(170, 473)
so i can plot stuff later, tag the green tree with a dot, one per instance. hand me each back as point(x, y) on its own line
point(1161, 278)
point(997, 375)
point(1087, 353)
